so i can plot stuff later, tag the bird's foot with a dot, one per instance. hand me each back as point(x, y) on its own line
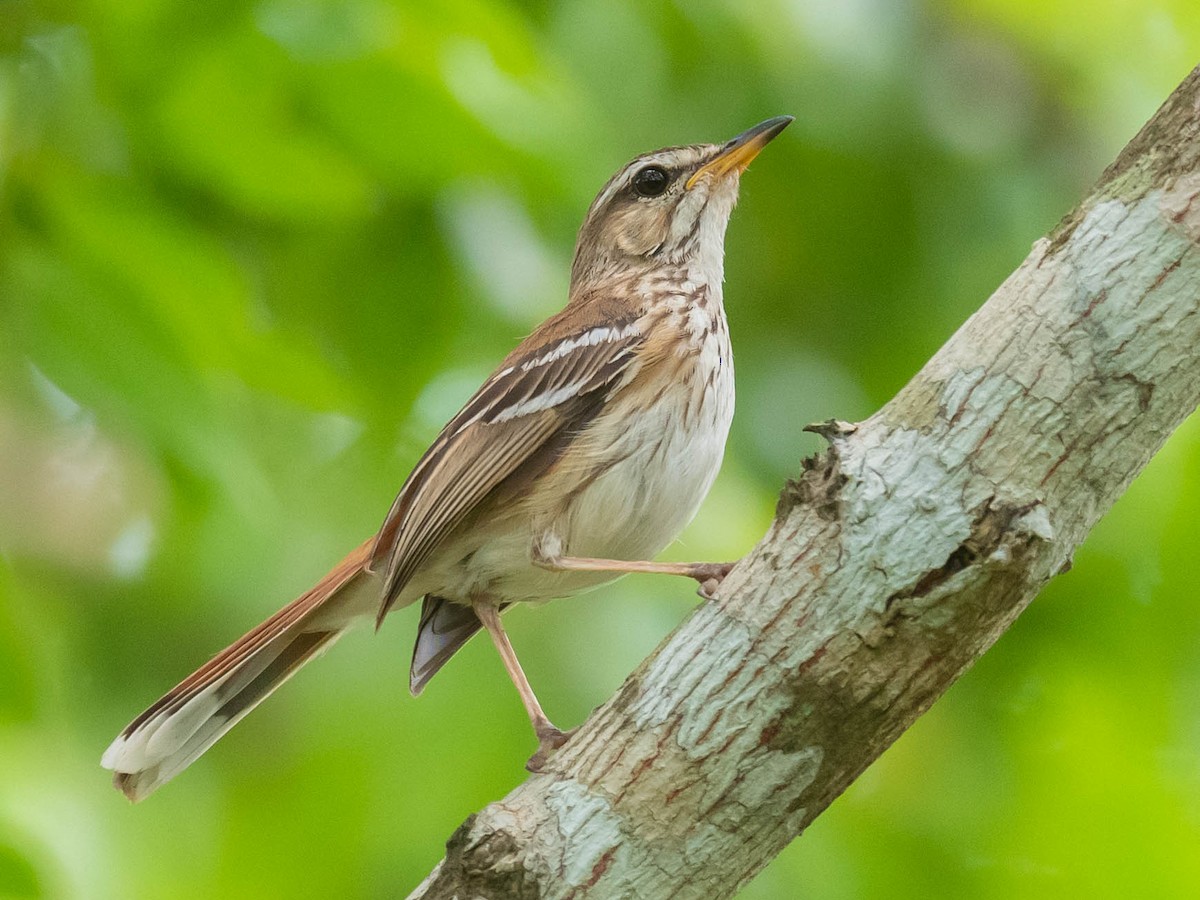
point(710, 576)
point(549, 740)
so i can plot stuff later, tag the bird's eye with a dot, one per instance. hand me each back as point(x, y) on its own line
point(651, 181)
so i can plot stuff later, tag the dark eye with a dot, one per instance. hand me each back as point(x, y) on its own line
point(651, 181)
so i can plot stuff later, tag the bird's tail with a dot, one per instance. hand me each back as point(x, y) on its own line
point(193, 715)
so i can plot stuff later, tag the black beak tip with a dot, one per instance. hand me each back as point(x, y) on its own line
point(763, 131)
point(777, 124)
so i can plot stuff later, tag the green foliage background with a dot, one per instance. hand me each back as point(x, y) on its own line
point(253, 254)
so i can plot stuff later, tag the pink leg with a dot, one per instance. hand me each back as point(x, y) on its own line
point(549, 737)
point(710, 575)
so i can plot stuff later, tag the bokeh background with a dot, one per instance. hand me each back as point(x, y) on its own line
point(253, 254)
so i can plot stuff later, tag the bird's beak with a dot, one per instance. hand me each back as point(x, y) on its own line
point(736, 154)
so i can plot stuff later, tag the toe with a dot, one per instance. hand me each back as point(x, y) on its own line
point(549, 740)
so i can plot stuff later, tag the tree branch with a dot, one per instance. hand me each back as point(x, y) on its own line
point(893, 563)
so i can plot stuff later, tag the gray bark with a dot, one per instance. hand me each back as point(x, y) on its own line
point(894, 561)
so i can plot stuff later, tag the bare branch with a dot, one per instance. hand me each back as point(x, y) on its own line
point(894, 562)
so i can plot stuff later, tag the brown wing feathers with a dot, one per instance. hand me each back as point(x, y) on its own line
point(537, 393)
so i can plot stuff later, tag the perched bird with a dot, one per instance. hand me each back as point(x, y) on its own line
point(583, 455)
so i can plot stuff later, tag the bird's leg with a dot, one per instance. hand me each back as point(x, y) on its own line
point(549, 737)
point(709, 575)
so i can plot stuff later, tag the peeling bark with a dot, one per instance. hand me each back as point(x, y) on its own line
point(895, 560)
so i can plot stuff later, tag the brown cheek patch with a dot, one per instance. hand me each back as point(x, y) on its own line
point(639, 229)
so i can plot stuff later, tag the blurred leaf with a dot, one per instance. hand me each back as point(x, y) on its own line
point(18, 877)
point(17, 688)
point(233, 124)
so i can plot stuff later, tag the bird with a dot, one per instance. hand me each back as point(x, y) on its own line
point(578, 460)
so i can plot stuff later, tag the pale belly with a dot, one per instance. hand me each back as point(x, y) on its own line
point(658, 474)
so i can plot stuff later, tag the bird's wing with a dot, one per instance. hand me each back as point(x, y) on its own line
point(544, 389)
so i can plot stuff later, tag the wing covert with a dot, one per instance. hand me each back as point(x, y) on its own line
point(534, 397)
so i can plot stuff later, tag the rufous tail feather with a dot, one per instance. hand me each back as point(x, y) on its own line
point(171, 734)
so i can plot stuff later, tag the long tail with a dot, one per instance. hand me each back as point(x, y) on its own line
point(193, 715)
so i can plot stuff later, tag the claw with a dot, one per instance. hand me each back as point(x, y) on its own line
point(710, 576)
point(549, 740)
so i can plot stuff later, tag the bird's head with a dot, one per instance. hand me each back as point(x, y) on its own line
point(669, 207)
